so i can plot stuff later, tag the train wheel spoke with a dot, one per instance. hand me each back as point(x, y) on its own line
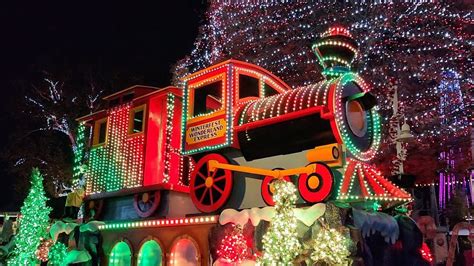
point(208, 169)
point(210, 196)
point(199, 186)
point(219, 178)
point(201, 175)
point(218, 189)
point(203, 194)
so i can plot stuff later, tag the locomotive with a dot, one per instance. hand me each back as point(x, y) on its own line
point(230, 132)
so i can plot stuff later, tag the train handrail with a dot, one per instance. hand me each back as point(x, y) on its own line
point(277, 173)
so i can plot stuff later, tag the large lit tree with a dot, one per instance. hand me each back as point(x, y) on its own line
point(33, 223)
point(48, 137)
point(407, 44)
point(280, 242)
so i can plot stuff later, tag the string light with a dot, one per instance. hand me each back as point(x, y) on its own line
point(57, 254)
point(233, 247)
point(43, 249)
point(79, 151)
point(371, 185)
point(426, 253)
point(119, 162)
point(160, 223)
point(330, 247)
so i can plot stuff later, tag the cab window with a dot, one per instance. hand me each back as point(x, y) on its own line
point(137, 120)
point(248, 86)
point(269, 90)
point(100, 131)
point(208, 98)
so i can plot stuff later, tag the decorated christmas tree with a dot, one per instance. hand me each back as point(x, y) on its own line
point(330, 247)
point(57, 254)
point(33, 223)
point(410, 45)
point(280, 243)
point(233, 247)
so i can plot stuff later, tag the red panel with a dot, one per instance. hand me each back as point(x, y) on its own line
point(174, 157)
point(347, 178)
point(379, 191)
point(154, 140)
point(362, 186)
point(162, 159)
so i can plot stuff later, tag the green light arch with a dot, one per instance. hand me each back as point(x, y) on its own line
point(121, 255)
point(150, 254)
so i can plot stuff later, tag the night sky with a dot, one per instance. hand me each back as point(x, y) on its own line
point(139, 40)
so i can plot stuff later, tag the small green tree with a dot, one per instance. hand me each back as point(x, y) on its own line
point(33, 223)
point(280, 243)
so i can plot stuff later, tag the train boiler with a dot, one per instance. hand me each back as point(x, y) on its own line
point(242, 123)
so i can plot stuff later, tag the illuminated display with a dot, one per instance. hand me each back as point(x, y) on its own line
point(160, 223)
point(150, 254)
point(118, 163)
point(370, 183)
point(121, 255)
point(78, 151)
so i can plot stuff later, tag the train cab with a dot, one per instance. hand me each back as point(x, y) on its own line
point(213, 97)
point(133, 150)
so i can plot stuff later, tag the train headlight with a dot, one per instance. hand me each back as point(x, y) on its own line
point(356, 118)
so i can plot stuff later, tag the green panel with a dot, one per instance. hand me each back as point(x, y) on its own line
point(120, 255)
point(150, 254)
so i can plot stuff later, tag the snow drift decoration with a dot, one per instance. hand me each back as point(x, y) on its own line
point(77, 256)
point(61, 227)
point(307, 216)
point(369, 223)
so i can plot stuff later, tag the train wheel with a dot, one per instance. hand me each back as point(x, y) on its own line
point(316, 186)
point(146, 203)
point(267, 188)
point(210, 190)
point(93, 209)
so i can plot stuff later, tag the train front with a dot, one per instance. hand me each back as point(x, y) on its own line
point(339, 109)
point(333, 122)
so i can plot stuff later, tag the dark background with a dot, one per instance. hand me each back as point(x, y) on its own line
point(139, 41)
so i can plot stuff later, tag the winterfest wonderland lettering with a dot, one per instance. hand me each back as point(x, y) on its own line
point(206, 131)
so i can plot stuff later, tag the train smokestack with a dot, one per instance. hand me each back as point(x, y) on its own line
point(336, 49)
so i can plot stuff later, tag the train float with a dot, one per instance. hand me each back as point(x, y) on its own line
point(171, 158)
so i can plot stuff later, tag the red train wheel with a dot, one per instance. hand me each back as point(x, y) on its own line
point(146, 203)
point(267, 188)
point(316, 186)
point(210, 190)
